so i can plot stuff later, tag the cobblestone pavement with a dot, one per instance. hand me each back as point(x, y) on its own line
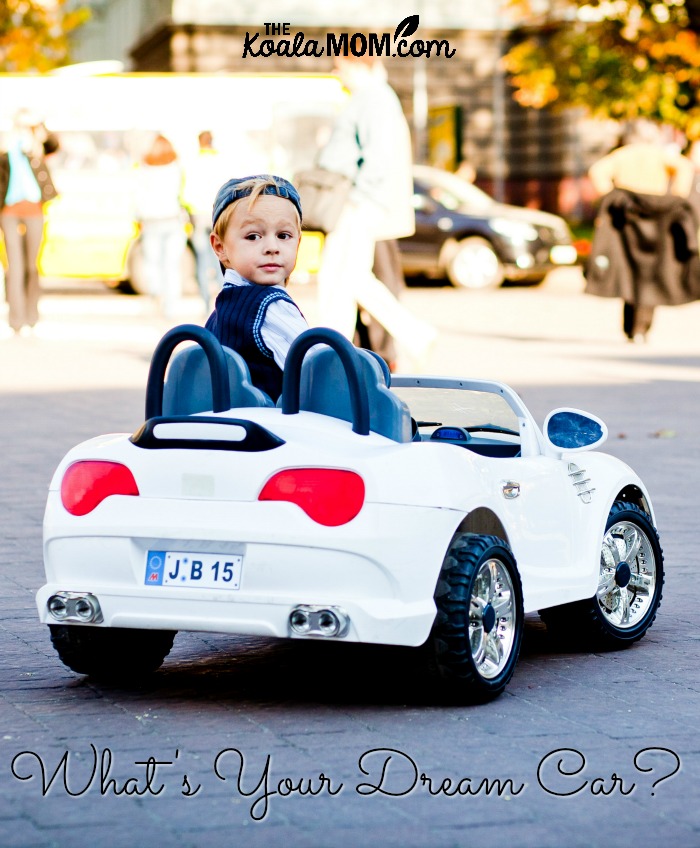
point(265, 743)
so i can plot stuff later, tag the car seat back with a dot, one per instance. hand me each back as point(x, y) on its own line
point(324, 388)
point(188, 387)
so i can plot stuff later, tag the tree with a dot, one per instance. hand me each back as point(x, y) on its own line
point(623, 60)
point(34, 33)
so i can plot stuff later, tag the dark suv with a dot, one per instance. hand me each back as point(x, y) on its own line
point(476, 242)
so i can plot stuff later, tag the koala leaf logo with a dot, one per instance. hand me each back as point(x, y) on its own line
point(407, 27)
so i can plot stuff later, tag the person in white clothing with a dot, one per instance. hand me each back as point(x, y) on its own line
point(203, 176)
point(371, 145)
point(159, 212)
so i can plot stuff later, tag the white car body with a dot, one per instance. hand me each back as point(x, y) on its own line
point(379, 569)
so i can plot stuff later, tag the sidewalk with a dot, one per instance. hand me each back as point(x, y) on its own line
point(551, 334)
point(622, 725)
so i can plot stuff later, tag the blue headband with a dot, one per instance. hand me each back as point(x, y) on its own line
point(230, 191)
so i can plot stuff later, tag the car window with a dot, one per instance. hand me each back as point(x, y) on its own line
point(446, 198)
point(439, 407)
point(421, 201)
point(452, 191)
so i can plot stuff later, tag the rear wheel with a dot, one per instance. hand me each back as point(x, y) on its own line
point(478, 628)
point(630, 581)
point(111, 652)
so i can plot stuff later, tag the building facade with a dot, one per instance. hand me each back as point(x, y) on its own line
point(456, 97)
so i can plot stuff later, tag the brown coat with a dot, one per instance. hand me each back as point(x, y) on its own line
point(645, 250)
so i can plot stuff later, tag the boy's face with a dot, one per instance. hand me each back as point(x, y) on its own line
point(260, 243)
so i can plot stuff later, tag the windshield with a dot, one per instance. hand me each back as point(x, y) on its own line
point(432, 407)
point(452, 191)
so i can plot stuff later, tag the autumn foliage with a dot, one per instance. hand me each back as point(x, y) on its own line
point(622, 59)
point(34, 34)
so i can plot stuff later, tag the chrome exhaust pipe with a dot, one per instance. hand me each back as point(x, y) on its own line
point(312, 620)
point(82, 607)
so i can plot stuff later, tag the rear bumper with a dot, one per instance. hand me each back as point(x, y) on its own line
point(383, 621)
point(380, 569)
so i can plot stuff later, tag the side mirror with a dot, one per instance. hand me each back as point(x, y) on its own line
point(573, 430)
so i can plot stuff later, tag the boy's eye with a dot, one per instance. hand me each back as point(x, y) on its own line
point(253, 236)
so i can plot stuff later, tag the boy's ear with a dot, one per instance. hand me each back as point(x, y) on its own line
point(217, 246)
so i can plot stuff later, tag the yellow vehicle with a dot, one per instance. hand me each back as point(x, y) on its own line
point(261, 123)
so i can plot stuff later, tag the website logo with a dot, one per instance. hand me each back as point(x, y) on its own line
point(275, 42)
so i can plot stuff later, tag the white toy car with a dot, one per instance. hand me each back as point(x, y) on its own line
point(433, 513)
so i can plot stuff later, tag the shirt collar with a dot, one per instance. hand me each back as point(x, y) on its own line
point(233, 278)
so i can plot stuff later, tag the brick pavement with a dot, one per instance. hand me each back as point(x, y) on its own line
point(316, 709)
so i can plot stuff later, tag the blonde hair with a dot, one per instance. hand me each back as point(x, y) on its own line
point(255, 187)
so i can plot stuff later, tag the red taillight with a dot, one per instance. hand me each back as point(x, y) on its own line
point(86, 484)
point(327, 495)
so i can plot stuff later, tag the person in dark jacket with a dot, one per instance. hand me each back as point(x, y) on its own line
point(645, 243)
point(645, 250)
point(256, 232)
point(693, 154)
point(25, 185)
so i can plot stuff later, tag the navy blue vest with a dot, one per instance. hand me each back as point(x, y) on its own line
point(238, 315)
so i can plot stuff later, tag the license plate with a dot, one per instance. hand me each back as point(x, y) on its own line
point(192, 570)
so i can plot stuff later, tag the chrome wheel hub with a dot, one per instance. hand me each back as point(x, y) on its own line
point(492, 618)
point(627, 575)
point(623, 573)
point(477, 267)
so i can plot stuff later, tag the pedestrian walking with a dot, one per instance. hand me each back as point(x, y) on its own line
point(693, 153)
point(645, 245)
point(370, 144)
point(159, 211)
point(203, 176)
point(371, 334)
point(25, 186)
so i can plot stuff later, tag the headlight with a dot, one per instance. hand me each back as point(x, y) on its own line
point(563, 254)
point(515, 230)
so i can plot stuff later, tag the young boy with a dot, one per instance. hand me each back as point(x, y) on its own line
point(256, 232)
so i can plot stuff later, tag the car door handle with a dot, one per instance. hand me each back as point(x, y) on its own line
point(510, 489)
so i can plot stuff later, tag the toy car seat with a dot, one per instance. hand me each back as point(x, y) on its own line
point(324, 388)
point(200, 378)
point(188, 384)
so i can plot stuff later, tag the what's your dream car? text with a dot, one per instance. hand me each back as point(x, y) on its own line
point(388, 772)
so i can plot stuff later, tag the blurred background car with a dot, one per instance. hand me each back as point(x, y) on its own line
point(477, 242)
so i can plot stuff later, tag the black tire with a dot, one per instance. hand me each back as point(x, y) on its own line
point(111, 653)
point(475, 649)
point(135, 282)
point(617, 615)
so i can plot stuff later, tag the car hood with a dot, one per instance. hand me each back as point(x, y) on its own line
point(536, 217)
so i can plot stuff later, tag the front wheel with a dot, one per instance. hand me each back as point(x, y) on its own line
point(474, 264)
point(478, 628)
point(630, 581)
point(111, 653)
